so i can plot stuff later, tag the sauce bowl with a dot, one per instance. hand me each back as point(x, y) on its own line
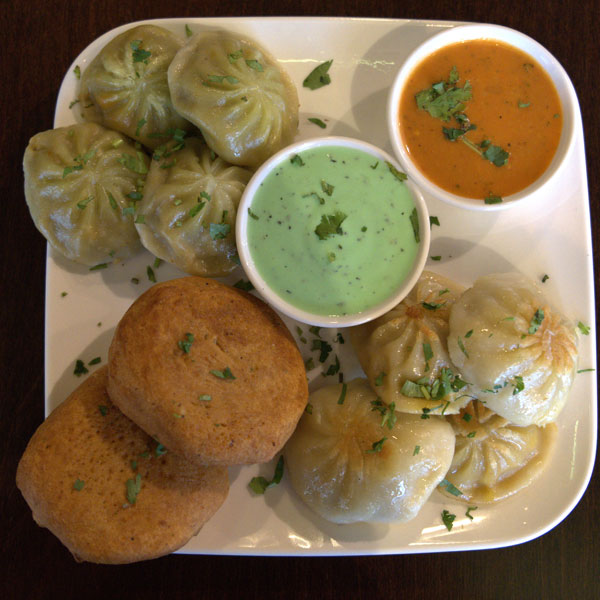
point(331, 233)
point(505, 36)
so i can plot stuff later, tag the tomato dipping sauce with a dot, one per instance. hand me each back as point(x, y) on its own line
point(512, 118)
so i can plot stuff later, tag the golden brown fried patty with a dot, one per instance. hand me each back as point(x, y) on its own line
point(106, 489)
point(209, 370)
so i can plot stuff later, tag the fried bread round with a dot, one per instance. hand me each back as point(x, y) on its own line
point(209, 370)
point(106, 489)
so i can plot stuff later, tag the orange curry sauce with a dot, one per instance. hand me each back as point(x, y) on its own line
point(514, 105)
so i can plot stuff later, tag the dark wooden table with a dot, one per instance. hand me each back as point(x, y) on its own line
point(38, 41)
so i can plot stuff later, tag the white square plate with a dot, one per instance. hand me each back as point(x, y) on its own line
point(549, 236)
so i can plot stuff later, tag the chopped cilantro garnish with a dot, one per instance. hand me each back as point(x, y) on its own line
point(317, 122)
point(233, 56)
point(448, 519)
point(219, 231)
point(397, 174)
point(327, 187)
point(471, 434)
point(83, 203)
point(437, 389)
point(451, 488)
point(188, 31)
point(220, 79)
point(492, 199)
point(78, 485)
point(324, 349)
point(388, 412)
point(77, 71)
point(436, 257)
point(462, 347)
point(428, 354)
point(432, 305)
point(416, 450)
point(545, 278)
point(254, 64)
point(379, 379)
point(224, 374)
point(309, 409)
point(134, 163)
point(150, 274)
point(342, 394)
point(469, 510)
point(186, 343)
point(434, 221)
point(318, 77)
point(140, 124)
point(133, 488)
point(377, 446)
point(536, 321)
point(333, 368)
point(80, 368)
point(95, 361)
point(259, 484)
point(159, 450)
point(205, 397)
point(139, 55)
point(297, 160)
point(330, 225)
point(518, 385)
point(414, 221)
point(103, 409)
point(585, 330)
point(252, 215)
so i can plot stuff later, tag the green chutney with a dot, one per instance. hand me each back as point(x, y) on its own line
point(333, 230)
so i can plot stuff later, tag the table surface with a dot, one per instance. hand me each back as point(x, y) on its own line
point(39, 41)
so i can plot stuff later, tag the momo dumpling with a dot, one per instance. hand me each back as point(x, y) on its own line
point(125, 87)
point(494, 459)
point(189, 210)
point(519, 353)
point(81, 185)
point(404, 352)
point(353, 459)
point(245, 105)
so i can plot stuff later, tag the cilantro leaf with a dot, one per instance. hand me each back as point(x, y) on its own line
point(318, 77)
point(442, 101)
point(496, 155)
point(317, 122)
point(133, 488)
point(330, 225)
point(448, 519)
point(259, 484)
point(139, 55)
point(377, 446)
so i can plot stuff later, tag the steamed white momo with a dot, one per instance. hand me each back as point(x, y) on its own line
point(348, 465)
point(189, 210)
point(125, 87)
point(519, 353)
point(81, 185)
point(498, 459)
point(243, 102)
point(404, 352)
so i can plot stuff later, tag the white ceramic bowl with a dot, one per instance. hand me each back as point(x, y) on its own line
point(510, 37)
point(282, 304)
